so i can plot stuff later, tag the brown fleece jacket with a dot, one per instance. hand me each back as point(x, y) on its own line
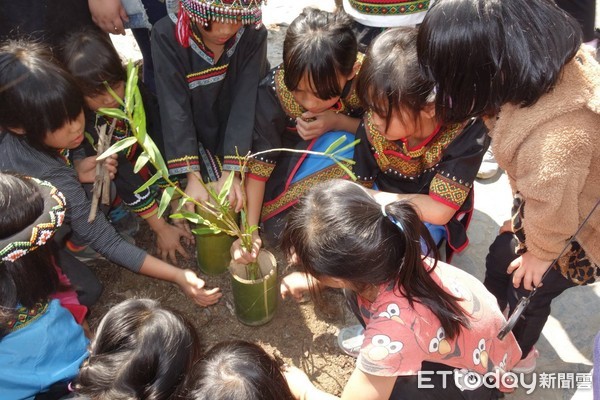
point(551, 153)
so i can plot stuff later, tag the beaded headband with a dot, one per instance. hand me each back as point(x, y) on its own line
point(223, 11)
point(41, 230)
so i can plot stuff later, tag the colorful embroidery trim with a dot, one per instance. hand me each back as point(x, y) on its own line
point(26, 316)
point(42, 229)
point(223, 11)
point(389, 7)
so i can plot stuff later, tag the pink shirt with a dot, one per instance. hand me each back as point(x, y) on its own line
point(398, 337)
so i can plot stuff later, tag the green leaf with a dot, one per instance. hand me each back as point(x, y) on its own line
point(335, 144)
point(346, 147)
point(344, 159)
point(117, 147)
point(139, 116)
point(89, 138)
point(347, 170)
point(190, 216)
point(114, 94)
point(112, 112)
point(140, 162)
point(148, 183)
point(132, 78)
point(165, 199)
point(251, 229)
point(226, 187)
point(206, 231)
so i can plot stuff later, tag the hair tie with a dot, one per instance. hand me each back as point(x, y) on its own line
point(391, 218)
point(41, 230)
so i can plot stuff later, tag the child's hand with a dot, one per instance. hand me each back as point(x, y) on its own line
point(86, 168)
point(295, 285)
point(168, 242)
point(195, 190)
point(235, 194)
point(528, 269)
point(298, 382)
point(506, 227)
point(241, 255)
point(108, 15)
point(311, 126)
point(193, 287)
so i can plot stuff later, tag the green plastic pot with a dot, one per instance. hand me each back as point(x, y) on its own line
point(255, 301)
point(213, 251)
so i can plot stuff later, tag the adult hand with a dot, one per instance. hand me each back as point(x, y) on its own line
point(241, 255)
point(529, 270)
point(168, 242)
point(506, 227)
point(193, 287)
point(311, 126)
point(108, 15)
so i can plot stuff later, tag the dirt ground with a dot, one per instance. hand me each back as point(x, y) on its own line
point(300, 334)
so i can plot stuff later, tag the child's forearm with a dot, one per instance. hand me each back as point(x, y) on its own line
point(347, 124)
point(156, 268)
point(429, 209)
point(156, 224)
point(255, 192)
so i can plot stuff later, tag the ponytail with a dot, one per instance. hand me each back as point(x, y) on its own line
point(413, 280)
point(337, 227)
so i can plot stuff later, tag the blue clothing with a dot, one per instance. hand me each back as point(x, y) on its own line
point(47, 350)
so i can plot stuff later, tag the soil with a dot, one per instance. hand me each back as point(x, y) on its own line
point(300, 333)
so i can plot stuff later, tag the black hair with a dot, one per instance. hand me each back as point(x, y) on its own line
point(322, 45)
point(486, 53)
point(92, 59)
point(238, 370)
point(338, 230)
point(141, 351)
point(37, 95)
point(390, 77)
point(32, 278)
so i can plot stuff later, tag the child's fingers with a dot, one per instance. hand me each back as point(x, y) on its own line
point(182, 252)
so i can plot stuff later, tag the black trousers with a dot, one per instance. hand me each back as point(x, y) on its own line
point(529, 328)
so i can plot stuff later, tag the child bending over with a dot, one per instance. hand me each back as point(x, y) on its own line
point(34, 85)
point(419, 314)
point(406, 150)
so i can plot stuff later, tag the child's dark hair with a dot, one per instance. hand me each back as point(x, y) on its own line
point(390, 77)
point(321, 45)
point(36, 94)
point(141, 351)
point(31, 278)
point(92, 59)
point(338, 230)
point(238, 370)
point(486, 53)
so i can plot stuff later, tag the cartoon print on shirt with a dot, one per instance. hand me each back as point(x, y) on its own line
point(470, 303)
point(481, 355)
point(439, 344)
point(382, 347)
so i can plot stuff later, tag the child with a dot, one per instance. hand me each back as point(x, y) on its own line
point(208, 62)
point(92, 60)
point(420, 314)
point(300, 103)
point(141, 351)
point(238, 370)
point(35, 86)
point(41, 345)
point(539, 94)
point(406, 152)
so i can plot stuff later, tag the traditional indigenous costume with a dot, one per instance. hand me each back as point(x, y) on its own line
point(207, 105)
point(443, 166)
point(371, 17)
point(289, 175)
point(41, 345)
point(127, 182)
